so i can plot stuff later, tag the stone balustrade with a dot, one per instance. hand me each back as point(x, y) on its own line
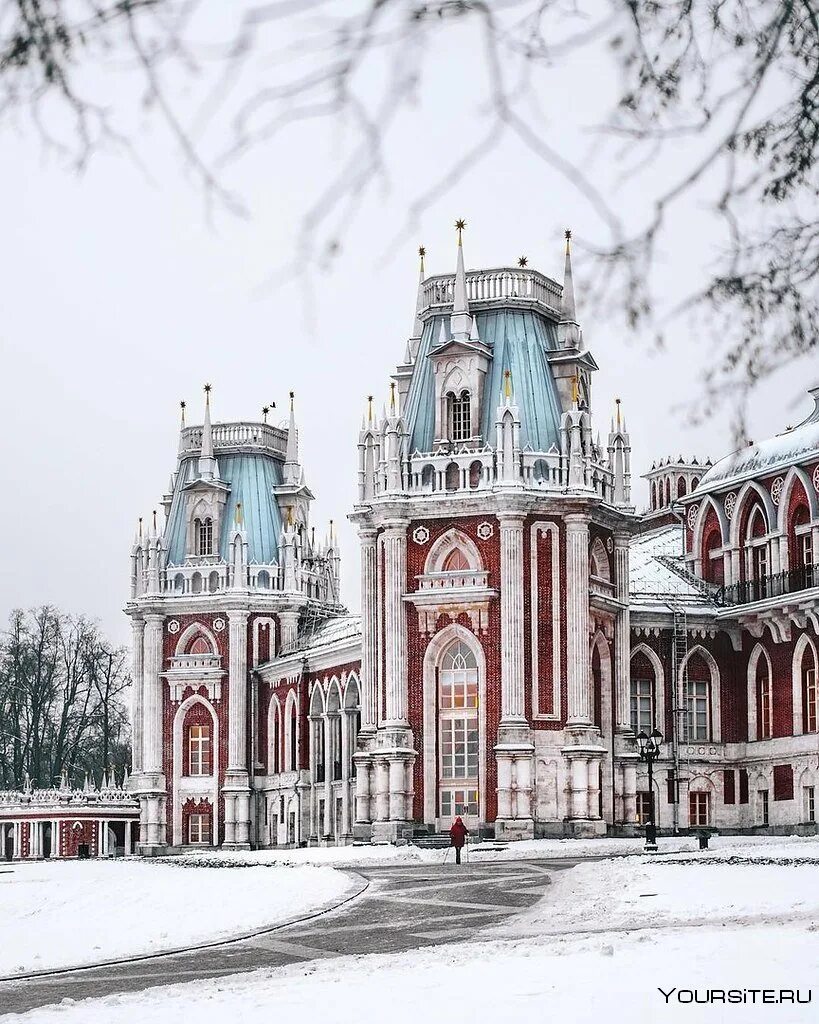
point(501, 285)
point(258, 436)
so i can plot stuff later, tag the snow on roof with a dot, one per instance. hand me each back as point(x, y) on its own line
point(338, 630)
point(785, 449)
point(649, 577)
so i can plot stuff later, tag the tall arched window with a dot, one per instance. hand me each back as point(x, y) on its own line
point(204, 536)
point(764, 699)
point(810, 693)
point(713, 568)
point(199, 750)
point(458, 738)
point(756, 552)
point(294, 761)
point(697, 722)
point(460, 416)
point(642, 695)
point(802, 543)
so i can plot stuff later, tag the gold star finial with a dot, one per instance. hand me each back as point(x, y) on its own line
point(292, 396)
point(392, 396)
point(523, 261)
point(207, 389)
point(568, 234)
point(183, 405)
point(507, 383)
point(369, 408)
point(460, 224)
point(265, 411)
point(575, 390)
point(617, 403)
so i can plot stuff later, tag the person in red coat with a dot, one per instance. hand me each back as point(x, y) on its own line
point(457, 837)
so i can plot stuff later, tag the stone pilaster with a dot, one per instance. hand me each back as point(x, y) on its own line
point(395, 624)
point(369, 634)
point(137, 705)
point(515, 749)
point(151, 782)
point(622, 635)
point(236, 790)
point(577, 620)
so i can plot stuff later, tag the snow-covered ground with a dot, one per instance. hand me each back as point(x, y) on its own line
point(599, 947)
point(64, 913)
point(774, 847)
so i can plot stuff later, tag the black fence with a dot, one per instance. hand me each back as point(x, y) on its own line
point(776, 585)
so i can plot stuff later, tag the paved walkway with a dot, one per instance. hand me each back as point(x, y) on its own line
point(403, 908)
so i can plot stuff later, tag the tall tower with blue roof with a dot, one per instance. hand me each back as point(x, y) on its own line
point(494, 553)
point(232, 580)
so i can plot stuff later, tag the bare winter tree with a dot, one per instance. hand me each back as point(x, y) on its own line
point(62, 700)
point(729, 87)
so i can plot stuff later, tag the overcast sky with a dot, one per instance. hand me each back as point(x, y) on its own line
point(119, 296)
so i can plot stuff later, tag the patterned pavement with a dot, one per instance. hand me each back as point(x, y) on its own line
point(402, 908)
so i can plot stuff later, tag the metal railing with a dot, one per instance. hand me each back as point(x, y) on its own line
point(778, 584)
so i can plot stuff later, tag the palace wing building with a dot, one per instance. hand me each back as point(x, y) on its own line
point(520, 621)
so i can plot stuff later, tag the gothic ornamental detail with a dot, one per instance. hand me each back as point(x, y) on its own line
point(730, 504)
point(420, 535)
point(485, 531)
point(776, 490)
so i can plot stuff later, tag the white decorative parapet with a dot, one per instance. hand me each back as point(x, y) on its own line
point(444, 580)
point(502, 284)
point(236, 435)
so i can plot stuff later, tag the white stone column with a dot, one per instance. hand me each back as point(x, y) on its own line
point(346, 824)
point(630, 792)
point(326, 725)
point(594, 788)
point(55, 839)
point(577, 619)
point(382, 789)
point(395, 623)
point(152, 695)
point(511, 600)
point(369, 630)
point(363, 794)
point(137, 706)
point(622, 635)
point(579, 787)
point(128, 843)
point(237, 693)
point(289, 625)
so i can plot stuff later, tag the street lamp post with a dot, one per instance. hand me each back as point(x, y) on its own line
point(649, 747)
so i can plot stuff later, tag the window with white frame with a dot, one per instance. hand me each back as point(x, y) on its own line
point(811, 698)
point(642, 705)
point(643, 807)
point(204, 536)
point(809, 798)
point(806, 548)
point(460, 423)
point(199, 750)
point(696, 708)
point(699, 809)
point(199, 829)
point(762, 806)
point(764, 699)
point(458, 738)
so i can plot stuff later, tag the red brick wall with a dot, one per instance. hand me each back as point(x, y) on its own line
point(783, 782)
point(490, 641)
point(71, 837)
point(169, 708)
point(191, 806)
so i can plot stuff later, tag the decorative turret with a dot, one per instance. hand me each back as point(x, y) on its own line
point(571, 364)
point(292, 469)
point(417, 324)
point(672, 478)
point(238, 550)
point(393, 432)
point(369, 455)
point(507, 426)
point(619, 449)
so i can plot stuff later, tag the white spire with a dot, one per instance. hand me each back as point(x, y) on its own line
point(417, 325)
point(460, 321)
point(292, 469)
point(568, 330)
point(208, 470)
point(473, 334)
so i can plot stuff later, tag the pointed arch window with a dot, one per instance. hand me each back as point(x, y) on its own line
point(203, 529)
point(456, 561)
point(460, 416)
point(458, 735)
point(764, 697)
point(810, 693)
point(200, 646)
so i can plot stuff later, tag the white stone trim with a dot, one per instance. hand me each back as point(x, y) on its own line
point(659, 684)
point(714, 690)
point(194, 785)
point(796, 680)
point(432, 656)
point(557, 688)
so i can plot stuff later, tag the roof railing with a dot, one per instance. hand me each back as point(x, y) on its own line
point(497, 286)
point(779, 584)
